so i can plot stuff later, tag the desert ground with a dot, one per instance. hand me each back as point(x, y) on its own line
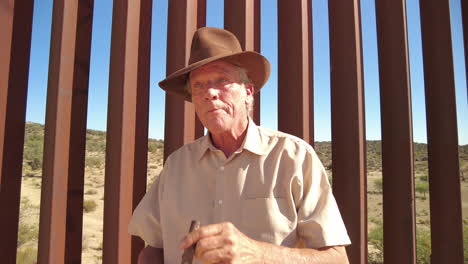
point(94, 194)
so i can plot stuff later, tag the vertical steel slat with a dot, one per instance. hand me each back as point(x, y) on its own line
point(142, 113)
point(15, 44)
point(311, 74)
point(294, 60)
point(183, 20)
point(444, 175)
point(348, 133)
point(127, 140)
point(74, 228)
point(397, 136)
point(64, 148)
point(464, 13)
point(242, 17)
point(201, 22)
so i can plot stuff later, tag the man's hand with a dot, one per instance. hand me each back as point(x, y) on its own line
point(223, 243)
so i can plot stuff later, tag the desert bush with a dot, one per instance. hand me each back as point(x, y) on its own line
point(152, 147)
point(96, 145)
point(33, 152)
point(91, 191)
point(465, 242)
point(89, 206)
point(422, 187)
point(375, 238)
point(423, 178)
point(26, 256)
point(94, 162)
point(378, 185)
point(423, 246)
point(26, 233)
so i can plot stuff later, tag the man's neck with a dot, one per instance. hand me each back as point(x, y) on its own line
point(230, 141)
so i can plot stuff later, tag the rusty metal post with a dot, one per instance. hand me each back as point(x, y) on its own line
point(444, 175)
point(15, 44)
point(348, 133)
point(294, 68)
point(127, 127)
point(464, 14)
point(61, 218)
point(242, 17)
point(201, 22)
point(397, 135)
point(183, 20)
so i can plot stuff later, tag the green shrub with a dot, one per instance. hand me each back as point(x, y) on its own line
point(422, 187)
point(26, 233)
point(423, 178)
point(94, 162)
point(465, 241)
point(33, 152)
point(375, 236)
point(94, 145)
point(423, 246)
point(91, 191)
point(89, 206)
point(378, 185)
point(152, 147)
point(26, 256)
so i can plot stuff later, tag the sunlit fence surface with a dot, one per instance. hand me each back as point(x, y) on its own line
point(393, 176)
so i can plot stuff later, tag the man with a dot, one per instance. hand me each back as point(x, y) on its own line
point(259, 194)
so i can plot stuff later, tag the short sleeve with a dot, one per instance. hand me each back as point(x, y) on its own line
point(146, 220)
point(319, 220)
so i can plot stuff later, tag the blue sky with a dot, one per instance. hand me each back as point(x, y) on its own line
point(100, 58)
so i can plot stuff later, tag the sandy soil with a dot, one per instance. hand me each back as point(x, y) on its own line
point(94, 190)
point(92, 221)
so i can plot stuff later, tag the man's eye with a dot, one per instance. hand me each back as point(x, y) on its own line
point(222, 80)
point(198, 85)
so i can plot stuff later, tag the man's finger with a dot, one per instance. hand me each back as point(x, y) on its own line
point(216, 255)
point(203, 232)
point(207, 244)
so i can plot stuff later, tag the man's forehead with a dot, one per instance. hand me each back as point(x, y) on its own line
point(215, 66)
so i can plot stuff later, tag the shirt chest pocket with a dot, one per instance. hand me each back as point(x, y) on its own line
point(267, 219)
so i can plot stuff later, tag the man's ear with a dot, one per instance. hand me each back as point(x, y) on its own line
point(249, 88)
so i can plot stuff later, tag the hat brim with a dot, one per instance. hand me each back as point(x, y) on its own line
point(257, 66)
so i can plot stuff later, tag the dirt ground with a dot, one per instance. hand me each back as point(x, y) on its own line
point(94, 191)
point(92, 221)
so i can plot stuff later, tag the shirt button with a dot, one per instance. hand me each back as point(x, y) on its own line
point(222, 168)
point(220, 202)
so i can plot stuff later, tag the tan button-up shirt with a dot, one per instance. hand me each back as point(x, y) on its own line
point(273, 189)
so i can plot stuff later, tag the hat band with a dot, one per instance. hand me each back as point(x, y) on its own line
point(204, 53)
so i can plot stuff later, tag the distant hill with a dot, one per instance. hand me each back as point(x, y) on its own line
point(96, 143)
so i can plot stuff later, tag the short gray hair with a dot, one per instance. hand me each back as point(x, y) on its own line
point(244, 79)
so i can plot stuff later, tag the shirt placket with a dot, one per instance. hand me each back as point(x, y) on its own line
point(219, 193)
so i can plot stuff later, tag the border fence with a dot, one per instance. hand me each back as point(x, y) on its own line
point(61, 214)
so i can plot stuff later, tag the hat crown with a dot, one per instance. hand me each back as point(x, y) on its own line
point(210, 42)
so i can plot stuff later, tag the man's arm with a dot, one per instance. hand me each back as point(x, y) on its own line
point(277, 254)
point(151, 255)
point(223, 242)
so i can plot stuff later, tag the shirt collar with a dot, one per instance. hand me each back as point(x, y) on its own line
point(253, 141)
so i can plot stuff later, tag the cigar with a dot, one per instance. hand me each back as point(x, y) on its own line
point(187, 257)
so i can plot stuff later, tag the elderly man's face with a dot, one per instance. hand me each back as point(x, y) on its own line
point(219, 97)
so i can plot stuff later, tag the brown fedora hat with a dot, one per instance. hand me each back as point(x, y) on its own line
point(210, 44)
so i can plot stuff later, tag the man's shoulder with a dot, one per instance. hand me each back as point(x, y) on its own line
point(282, 139)
point(189, 150)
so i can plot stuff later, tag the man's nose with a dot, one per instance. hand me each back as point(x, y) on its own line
point(211, 91)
